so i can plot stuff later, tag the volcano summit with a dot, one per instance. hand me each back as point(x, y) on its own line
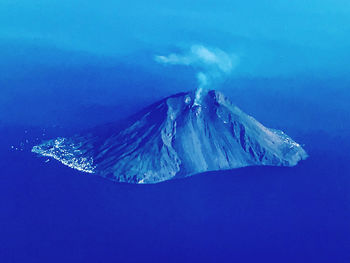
point(173, 138)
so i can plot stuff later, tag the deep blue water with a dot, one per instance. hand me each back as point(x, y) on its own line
point(51, 213)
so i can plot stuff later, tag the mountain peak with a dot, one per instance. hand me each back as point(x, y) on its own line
point(176, 137)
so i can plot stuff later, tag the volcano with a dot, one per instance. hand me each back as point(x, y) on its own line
point(173, 138)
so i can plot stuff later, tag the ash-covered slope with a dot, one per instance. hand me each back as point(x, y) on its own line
point(175, 137)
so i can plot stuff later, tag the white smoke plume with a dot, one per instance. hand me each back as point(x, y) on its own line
point(212, 65)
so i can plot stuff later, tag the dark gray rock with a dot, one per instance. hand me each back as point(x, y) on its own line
point(173, 138)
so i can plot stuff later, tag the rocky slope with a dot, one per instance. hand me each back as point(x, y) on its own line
point(173, 138)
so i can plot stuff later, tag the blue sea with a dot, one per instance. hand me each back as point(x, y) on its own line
point(51, 213)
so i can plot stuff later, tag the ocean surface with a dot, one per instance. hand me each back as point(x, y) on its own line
point(51, 213)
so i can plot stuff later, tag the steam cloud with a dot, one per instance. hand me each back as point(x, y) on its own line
point(212, 65)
